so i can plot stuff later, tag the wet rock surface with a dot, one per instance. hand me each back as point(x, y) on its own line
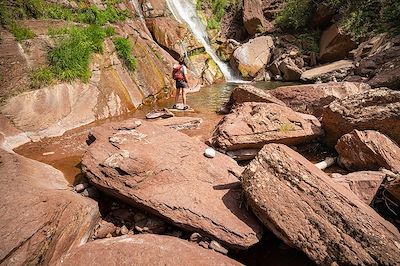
point(42, 218)
point(377, 109)
point(144, 250)
point(156, 169)
point(248, 93)
point(307, 210)
point(368, 150)
point(252, 125)
point(312, 98)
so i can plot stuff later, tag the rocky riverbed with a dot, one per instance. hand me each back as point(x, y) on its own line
point(147, 184)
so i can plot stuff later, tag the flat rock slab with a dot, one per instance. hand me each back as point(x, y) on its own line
point(180, 123)
point(248, 93)
point(306, 209)
point(164, 171)
point(311, 98)
point(252, 125)
point(337, 69)
point(377, 109)
point(364, 184)
point(368, 150)
point(144, 250)
point(41, 217)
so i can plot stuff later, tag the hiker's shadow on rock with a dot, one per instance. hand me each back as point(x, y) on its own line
point(233, 201)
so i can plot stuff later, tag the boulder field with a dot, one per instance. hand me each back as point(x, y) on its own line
point(165, 173)
point(41, 217)
point(309, 211)
point(144, 250)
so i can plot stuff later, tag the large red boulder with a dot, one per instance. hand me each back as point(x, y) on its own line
point(252, 125)
point(144, 250)
point(305, 208)
point(41, 217)
point(368, 150)
point(252, 56)
point(253, 17)
point(364, 184)
point(377, 109)
point(165, 173)
point(311, 98)
point(335, 45)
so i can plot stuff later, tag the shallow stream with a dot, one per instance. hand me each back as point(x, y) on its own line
point(65, 152)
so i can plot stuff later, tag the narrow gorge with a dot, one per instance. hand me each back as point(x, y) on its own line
point(287, 152)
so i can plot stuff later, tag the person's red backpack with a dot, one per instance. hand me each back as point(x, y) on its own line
point(177, 73)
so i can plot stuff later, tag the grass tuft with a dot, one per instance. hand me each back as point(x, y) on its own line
point(124, 51)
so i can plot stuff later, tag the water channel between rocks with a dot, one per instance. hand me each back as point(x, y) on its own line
point(65, 152)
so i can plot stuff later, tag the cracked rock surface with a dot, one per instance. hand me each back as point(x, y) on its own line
point(41, 217)
point(165, 172)
point(305, 208)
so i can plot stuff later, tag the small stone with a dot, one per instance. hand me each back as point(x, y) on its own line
point(195, 237)
point(108, 235)
point(81, 187)
point(217, 247)
point(124, 230)
point(209, 153)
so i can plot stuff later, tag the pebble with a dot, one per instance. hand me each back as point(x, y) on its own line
point(209, 153)
point(124, 230)
point(48, 153)
point(217, 247)
point(81, 187)
point(195, 237)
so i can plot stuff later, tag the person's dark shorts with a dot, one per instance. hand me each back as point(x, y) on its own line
point(180, 84)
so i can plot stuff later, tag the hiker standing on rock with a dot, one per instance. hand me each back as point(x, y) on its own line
point(179, 73)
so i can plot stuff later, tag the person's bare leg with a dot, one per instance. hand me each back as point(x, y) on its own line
point(184, 97)
point(178, 91)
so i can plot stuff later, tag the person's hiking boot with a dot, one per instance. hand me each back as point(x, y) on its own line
point(185, 107)
point(174, 106)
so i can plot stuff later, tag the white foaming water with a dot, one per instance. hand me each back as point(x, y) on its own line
point(185, 10)
point(138, 9)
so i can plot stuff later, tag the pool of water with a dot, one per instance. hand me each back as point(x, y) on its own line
point(65, 152)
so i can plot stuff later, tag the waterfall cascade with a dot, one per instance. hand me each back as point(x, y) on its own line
point(185, 10)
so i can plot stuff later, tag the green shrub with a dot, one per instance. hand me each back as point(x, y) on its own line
point(295, 16)
point(212, 24)
point(124, 51)
point(41, 77)
point(70, 58)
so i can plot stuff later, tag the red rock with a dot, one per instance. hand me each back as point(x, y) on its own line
point(144, 250)
point(165, 173)
point(41, 217)
point(311, 98)
point(252, 56)
point(335, 45)
point(364, 184)
point(305, 208)
point(377, 109)
point(253, 17)
point(252, 125)
point(289, 70)
point(323, 15)
point(368, 150)
point(336, 70)
point(248, 93)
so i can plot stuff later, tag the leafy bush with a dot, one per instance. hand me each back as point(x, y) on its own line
point(212, 24)
point(124, 51)
point(70, 58)
point(295, 16)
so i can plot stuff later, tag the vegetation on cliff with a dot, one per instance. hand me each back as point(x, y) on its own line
point(359, 18)
point(124, 51)
point(217, 8)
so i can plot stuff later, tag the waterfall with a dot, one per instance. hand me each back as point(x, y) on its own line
point(185, 10)
point(138, 9)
